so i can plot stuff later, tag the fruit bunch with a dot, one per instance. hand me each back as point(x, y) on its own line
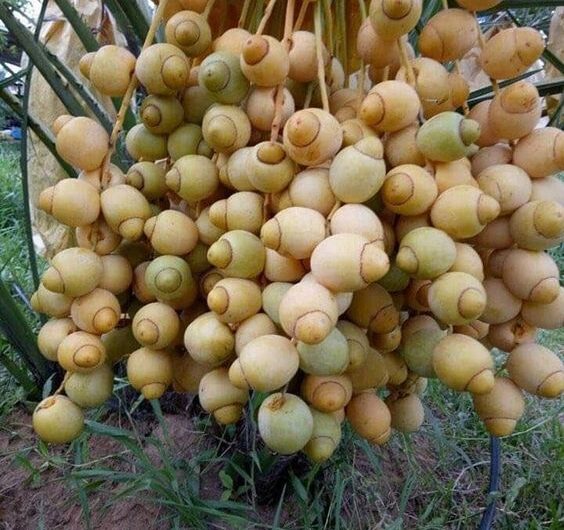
point(283, 232)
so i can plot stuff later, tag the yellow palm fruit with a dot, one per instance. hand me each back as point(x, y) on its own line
point(303, 57)
point(285, 423)
point(269, 168)
point(545, 316)
point(396, 367)
point(493, 262)
point(393, 18)
point(265, 61)
point(72, 202)
point(92, 389)
point(531, 276)
point(515, 111)
point(53, 304)
point(448, 35)
point(409, 190)
point(325, 437)
point(169, 279)
point(278, 268)
point(426, 253)
point(96, 312)
point(370, 417)
point(390, 106)
point(357, 342)
point(372, 307)
point(311, 189)
point(162, 69)
point(480, 114)
point(496, 235)
point(295, 231)
point(140, 287)
point(540, 153)
point(407, 223)
point(251, 328)
point(150, 371)
point(112, 177)
point(222, 399)
point(208, 232)
point(240, 211)
point(373, 49)
point(536, 370)
point(226, 128)
point(355, 130)
point(348, 262)
point(187, 373)
point(98, 237)
point(52, 334)
point(193, 177)
point(57, 420)
point(261, 107)
point(357, 219)
point(502, 305)
point(231, 40)
point(238, 254)
point(538, 225)
point(125, 210)
point(463, 364)
point(476, 329)
point(117, 274)
point(327, 393)
point(370, 374)
point(457, 298)
point(171, 232)
point(233, 173)
point(312, 136)
point(358, 171)
point(468, 260)
point(208, 340)
point(548, 189)
point(188, 31)
point(450, 174)
point(73, 272)
point(491, 156)
point(81, 352)
point(508, 335)
point(308, 312)
point(400, 147)
point(463, 211)
point(328, 357)
point(155, 325)
point(268, 362)
point(234, 299)
point(407, 413)
point(415, 323)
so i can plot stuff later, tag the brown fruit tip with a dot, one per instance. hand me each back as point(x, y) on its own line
point(105, 320)
point(87, 356)
point(149, 226)
point(302, 128)
point(271, 153)
point(500, 426)
point(255, 49)
point(151, 115)
point(407, 260)
point(168, 280)
point(218, 300)
point(220, 254)
point(187, 33)
point(471, 303)
point(52, 280)
point(172, 179)
point(131, 229)
point(85, 64)
point(552, 386)
point(312, 327)
point(482, 382)
point(548, 219)
point(147, 331)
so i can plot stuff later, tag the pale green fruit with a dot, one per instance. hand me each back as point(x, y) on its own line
point(329, 357)
point(325, 437)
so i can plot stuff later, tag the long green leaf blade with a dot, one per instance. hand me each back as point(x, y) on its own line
point(78, 25)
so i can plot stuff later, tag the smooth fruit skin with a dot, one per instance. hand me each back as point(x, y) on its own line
point(162, 69)
point(372, 373)
point(541, 152)
point(392, 19)
point(155, 325)
point(252, 328)
point(536, 370)
point(81, 352)
point(96, 312)
point(538, 225)
point(358, 343)
point(150, 371)
point(417, 350)
point(327, 393)
point(407, 413)
point(125, 210)
point(187, 373)
point(463, 364)
point(57, 420)
point(83, 143)
point(409, 190)
point(72, 202)
point(52, 334)
point(325, 437)
point(329, 357)
point(90, 390)
point(501, 407)
point(545, 316)
point(507, 184)
point(370, 417)
point(208, 340)
point(110, 70)
point(235, 299)
point(171, 232)
point(285, 423)
point(372, 307)
point(219, 397)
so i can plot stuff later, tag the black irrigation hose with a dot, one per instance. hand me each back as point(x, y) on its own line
point(495, 468)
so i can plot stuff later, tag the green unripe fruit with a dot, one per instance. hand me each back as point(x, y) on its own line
point(327, 393)
point(155, 325)
point(92, 389)
point(357, 172)
point(222, 399)
point(348, 262)
point(536, 370)
point(141, 143)
point(169, 278)
point(308, 312)
point(171, 232)
point(328, 357)
point(161, 114)
point(463, 364)
point(220, 74)
point(52, 334)
point(370, 374)
point(325, 437)
point(457, 298)
point(234, 299)
point(407, 413)
point(417, 350)
point(501, 408)
point(81, 352)
point(426, 253)
point(269, 362)
point(162, 69)
point(238, 254)
point(208, 340)
point(193, 177)
point(196, 101)
point(57, 420)
point(187, 140)
point(285, 423)
point(150, 371)
point(73, 272)
point(272, 295)
point(395, 280)
point(447, 136)
point(370, 417)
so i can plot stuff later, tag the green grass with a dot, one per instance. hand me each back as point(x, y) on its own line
point(434, 479)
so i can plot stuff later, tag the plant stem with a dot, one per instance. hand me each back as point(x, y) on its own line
point(244, 13)
point(302, 14)
point(482, 43)
point(207, 10)
point(405, 62)
point(266, 17)
point(319, 51)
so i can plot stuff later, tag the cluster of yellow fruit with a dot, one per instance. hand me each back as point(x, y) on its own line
point(375, 243)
